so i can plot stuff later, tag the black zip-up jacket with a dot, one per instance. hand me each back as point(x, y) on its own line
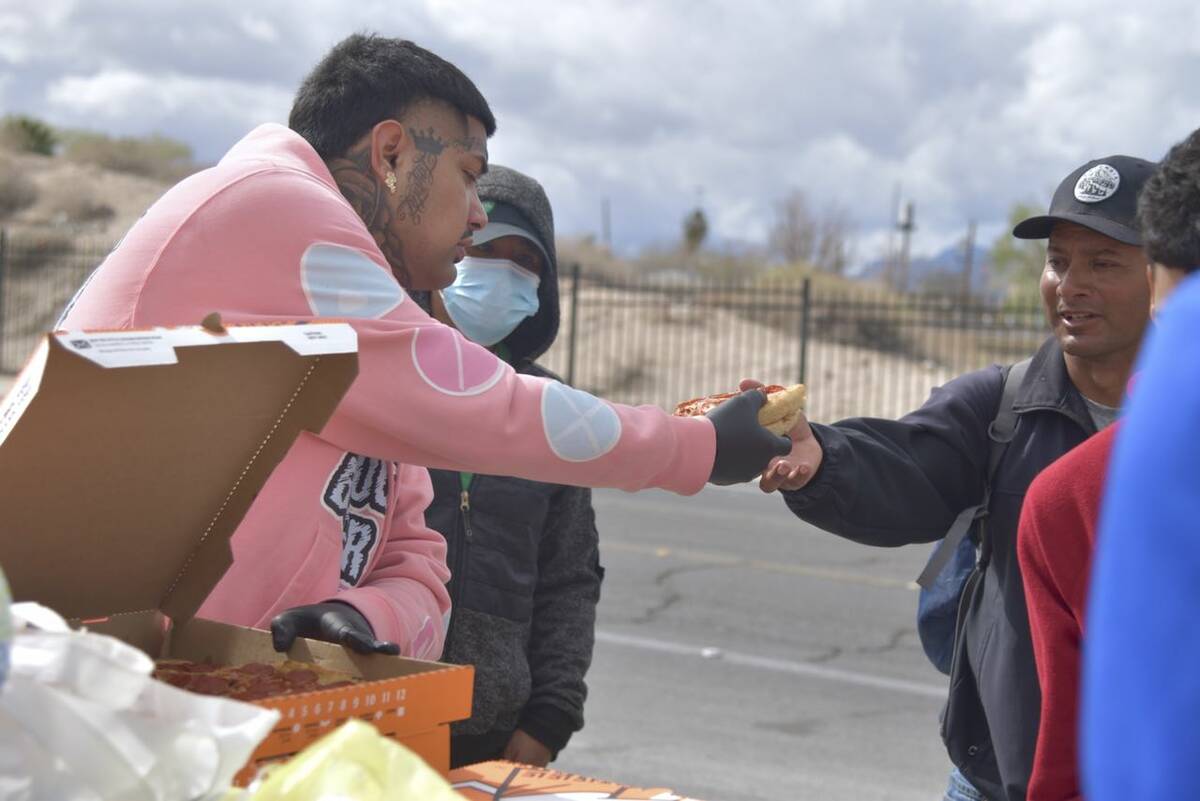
point(525, 580)
point(896, 482)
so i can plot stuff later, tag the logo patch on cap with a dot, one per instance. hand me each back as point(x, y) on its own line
point(1097, 184)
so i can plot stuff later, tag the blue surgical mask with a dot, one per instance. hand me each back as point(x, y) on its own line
point(490, 298)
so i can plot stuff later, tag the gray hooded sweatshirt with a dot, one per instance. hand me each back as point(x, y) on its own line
point(524, 555)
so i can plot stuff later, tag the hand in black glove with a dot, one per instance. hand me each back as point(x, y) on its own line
point(333, 622)
point(744, 447)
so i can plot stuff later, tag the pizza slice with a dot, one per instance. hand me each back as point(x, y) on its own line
point(253, 681)
point(778, 415)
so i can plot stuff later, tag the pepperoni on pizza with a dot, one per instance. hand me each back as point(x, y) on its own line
point(778, 415)
point(250, 682)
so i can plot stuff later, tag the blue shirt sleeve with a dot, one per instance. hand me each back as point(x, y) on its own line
point(1141, 693)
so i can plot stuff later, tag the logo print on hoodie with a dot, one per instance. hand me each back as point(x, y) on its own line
point(357, 496)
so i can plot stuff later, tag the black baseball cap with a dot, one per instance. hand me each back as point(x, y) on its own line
point(505, 219)
point(1100, 195)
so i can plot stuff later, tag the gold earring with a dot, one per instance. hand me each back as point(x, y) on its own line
point(390, 180)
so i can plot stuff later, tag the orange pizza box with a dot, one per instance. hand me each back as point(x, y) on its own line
point(492, 781)
point(127, 460)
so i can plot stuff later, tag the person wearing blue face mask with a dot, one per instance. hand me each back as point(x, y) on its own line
point(493, 294)
point(523, 555)
point(498, 288)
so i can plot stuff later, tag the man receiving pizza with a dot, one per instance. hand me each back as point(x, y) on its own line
point(369, 192)
point(883, 482)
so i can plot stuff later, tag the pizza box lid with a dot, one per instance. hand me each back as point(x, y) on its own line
point(128, 458)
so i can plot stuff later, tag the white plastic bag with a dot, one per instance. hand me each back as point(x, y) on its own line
point(81, 720)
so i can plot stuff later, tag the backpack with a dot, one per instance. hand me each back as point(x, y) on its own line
point(954, 557)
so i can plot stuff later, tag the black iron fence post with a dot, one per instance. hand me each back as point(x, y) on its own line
point(805, 312)
point(574, 324)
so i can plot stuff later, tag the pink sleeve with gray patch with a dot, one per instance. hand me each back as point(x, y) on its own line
point(426, 395)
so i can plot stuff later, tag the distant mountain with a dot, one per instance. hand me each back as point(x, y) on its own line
point(944, 267)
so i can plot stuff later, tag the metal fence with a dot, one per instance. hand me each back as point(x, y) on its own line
point(38, 275)
point(660, 340)
point(861, 351)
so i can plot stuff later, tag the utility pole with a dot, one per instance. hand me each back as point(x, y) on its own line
point(905, 225)
point(968, 260)
point(606, 223)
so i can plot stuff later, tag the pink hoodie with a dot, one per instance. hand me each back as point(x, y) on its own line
point(266, 236)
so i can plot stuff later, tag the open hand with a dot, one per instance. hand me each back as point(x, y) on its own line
point(796, 469)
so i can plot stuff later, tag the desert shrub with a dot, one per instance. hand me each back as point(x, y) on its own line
point(883, 335)
point(30, 252)
point(152, 156)
point(17, 190)
point(27, 135)
point(76, 204)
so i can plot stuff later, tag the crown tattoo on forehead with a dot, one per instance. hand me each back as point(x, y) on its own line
point(427, 141)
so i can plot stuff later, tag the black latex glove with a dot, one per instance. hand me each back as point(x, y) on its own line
point(333, 622)
point(744, 447)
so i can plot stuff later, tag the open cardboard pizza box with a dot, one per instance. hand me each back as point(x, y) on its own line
point(127, 460)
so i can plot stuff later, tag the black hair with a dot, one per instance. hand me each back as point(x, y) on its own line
point(366, 79)
point(1169, 208)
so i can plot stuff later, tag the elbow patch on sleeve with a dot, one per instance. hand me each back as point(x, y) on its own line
point(452, 365)
point(340, 281)
point(579, 427)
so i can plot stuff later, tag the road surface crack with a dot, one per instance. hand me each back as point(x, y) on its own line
point(893, 642)
point(671, 596)
point(826, 656)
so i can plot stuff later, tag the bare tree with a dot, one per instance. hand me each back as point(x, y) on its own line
point(794, 231)
point(833, 242)
point(800, 235)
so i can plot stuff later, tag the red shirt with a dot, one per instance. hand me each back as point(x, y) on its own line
point(1055, 542)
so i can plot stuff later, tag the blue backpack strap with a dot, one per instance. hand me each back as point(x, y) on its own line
point(1000, 433)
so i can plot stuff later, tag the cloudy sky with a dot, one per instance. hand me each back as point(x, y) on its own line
point(969, 106)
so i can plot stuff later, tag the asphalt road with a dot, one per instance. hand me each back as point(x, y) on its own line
point(742, 655)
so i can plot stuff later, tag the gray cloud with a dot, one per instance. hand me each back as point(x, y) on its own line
point(971, 106)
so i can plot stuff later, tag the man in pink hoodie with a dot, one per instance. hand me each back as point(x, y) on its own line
point(371, 191)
